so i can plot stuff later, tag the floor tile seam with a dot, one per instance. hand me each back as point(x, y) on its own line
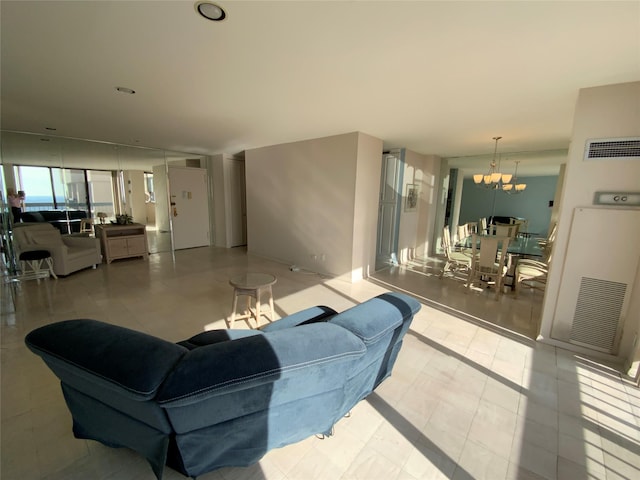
point(588, 468)
point(542, 445)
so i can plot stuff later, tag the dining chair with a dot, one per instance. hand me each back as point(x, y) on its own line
point(532, 273)
point(472, 227)
point(455, 260)
point(521, 224)
point(490, 261)
point(548, 242)
point(483, 225)
point(505, 230)
point(462, 232)
point(86, 225)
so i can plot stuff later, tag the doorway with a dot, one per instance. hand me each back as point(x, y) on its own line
point(389, 208)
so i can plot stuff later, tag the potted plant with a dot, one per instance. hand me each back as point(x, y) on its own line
point(124, 219)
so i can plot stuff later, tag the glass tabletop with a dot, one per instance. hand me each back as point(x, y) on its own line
point(524, 246)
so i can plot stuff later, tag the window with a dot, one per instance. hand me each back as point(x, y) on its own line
point(148, 188)
point(50, 188)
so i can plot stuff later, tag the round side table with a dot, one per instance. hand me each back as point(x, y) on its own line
point(251, 285)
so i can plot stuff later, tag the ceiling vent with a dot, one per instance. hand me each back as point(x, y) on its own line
point(613, 149)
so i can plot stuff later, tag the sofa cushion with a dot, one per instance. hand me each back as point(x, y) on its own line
point(74, 253)
point(216, 336)
point(53, 215)
point(32, 217)
point(304, 317)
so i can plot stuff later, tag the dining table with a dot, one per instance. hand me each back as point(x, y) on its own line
point(520, 246)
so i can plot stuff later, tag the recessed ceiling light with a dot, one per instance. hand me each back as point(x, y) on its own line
point(125, 90)
point(211, 11)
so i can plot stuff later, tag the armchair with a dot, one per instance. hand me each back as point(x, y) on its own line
point(69, 253)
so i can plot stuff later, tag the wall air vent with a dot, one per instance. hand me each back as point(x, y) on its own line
point(613, 149)
point(597, 314)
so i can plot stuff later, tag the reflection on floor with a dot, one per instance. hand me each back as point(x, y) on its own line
point(421, 277)
point(158, 240)
point(464, 401)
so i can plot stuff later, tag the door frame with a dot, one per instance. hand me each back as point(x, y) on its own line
point(384, 259)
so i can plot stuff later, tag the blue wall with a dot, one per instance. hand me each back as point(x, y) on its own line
point(532, 204)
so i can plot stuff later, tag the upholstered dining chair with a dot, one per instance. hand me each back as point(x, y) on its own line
point(455, 260)
point(462, 232)
point(482, 224)
point(472, 227)
point(530, 273)
point(489, 260)
point(505, 230)
point(533, 273)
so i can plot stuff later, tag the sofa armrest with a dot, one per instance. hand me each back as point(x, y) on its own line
point(304, 317)
point(374, 318)
point(82, 352)
point(82, 242)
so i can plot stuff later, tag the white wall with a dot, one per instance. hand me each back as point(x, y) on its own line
point(301, 202)
point(134, 195)
point(601, 112)
point(227, 194)
point(365, 217)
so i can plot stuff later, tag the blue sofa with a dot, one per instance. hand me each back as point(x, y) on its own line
point(223, 397)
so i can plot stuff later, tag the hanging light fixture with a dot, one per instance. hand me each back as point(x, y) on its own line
point(512, 186)
point(493, 178)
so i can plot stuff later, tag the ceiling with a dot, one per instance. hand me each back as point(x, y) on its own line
point(437, 78)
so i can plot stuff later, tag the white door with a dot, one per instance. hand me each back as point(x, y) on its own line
point(189, 207)
point(387, 242)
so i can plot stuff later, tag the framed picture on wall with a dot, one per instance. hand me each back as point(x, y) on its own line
point(411, 198)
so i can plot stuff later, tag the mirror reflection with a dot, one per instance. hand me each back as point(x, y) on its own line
point(75, 184)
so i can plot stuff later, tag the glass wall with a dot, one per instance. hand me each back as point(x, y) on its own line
point(72, 174)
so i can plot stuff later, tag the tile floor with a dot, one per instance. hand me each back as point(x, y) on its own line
point(467, 399)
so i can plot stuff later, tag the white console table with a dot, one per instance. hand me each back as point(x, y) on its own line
point(122, 241)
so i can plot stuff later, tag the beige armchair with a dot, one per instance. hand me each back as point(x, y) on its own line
point(69, 253)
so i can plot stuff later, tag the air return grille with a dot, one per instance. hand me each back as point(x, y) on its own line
point(597, 314)
point(619, 148)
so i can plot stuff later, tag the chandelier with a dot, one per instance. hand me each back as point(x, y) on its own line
point(493, 179)
point(512, 186)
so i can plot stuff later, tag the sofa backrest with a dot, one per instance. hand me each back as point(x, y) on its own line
point(32, 217)
point(28, 236)
point(247, 375)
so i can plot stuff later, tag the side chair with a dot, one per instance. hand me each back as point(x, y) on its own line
point(490, 261)
point(455, 260)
